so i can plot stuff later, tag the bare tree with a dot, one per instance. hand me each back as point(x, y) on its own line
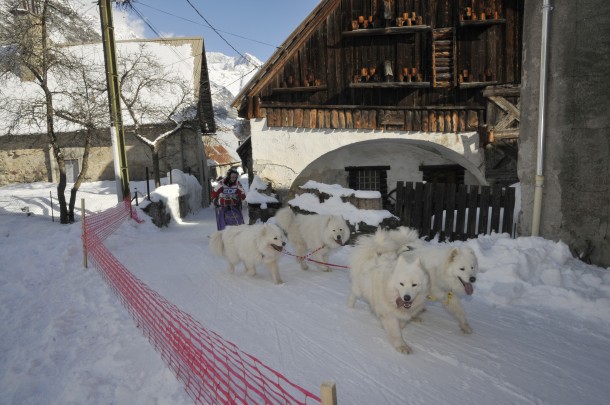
point(29, 33)
point(153, 93)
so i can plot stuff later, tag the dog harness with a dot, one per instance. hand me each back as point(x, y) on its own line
point(449, 296)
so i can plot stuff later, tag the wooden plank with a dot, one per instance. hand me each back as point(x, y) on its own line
point(447, 121)
point(306, 118)
point(392, 118)
point(426, 217)
point(399, 208)
point(357, 119)
point(455, 122)
point(283, 117)
point(409, 120)
point(417, 122)
point(432, 121)
point(385, 31)
point(320, 121)
point(462, 115)
point(440, 121)
point(484, 210)
point(472, 123)
point(450, 190)
point(425, 125)
point(373, 119)
point(327, 119)
point(417, 206)
point(507, 134)
point(364, 116)
point(496, 200)
point(506, 106)
point(334, 119)
point(389, 85)
point(438, 206)
point(298, 118)
point(409, 204)
point(473, 199)
point(461, 205)
point(290, 119)
point(509, 206)
point(313, 118)
point(349, 119)
point(341, 119)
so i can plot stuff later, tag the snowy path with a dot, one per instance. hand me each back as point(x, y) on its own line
point(514, 356)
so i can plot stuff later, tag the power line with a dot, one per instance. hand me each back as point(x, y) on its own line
point(218, 33)
point(208, 26)
point(153, 29)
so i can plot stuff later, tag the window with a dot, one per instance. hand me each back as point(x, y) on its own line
point(453, 174)
point(72, 170)
point(370, 178)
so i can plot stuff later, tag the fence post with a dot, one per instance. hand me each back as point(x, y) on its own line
point(51, 202)
point(329, 393)
point(147, 184)
point(84, 237)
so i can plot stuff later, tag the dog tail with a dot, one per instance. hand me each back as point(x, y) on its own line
point(406, 236)
point(217, 247)
point(284, 218)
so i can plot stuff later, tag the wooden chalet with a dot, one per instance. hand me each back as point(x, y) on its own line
point(393, 68)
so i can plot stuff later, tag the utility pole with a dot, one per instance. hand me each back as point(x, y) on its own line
point(114, 100)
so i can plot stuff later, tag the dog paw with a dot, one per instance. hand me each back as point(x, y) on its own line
point(304, 266)
point(417, 318)
point(466, 329)
point(404, 349)
point(279, 282)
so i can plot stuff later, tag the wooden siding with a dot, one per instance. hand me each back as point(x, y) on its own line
point(322, 69)
point(425, 119)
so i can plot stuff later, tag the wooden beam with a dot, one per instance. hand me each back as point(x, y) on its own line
point(506, 106)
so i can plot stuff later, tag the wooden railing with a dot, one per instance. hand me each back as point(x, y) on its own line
point(455, 212)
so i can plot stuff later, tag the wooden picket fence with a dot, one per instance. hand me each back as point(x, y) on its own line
point(455, 211)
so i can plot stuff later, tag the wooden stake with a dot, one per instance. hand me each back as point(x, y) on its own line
point(329, 393)
point(82, 207)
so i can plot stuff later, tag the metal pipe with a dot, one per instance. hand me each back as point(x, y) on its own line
point(546, 8)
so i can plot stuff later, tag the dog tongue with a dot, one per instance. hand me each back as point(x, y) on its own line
point(468, 288)
point(402, 303)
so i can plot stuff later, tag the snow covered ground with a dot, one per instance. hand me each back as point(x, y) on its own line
point(541, 319)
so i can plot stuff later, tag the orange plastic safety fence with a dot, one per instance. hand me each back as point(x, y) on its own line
point(214, 371)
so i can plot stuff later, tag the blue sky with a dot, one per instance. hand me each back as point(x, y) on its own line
point(252, 26)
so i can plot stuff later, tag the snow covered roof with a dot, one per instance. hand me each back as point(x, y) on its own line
point(183, 56)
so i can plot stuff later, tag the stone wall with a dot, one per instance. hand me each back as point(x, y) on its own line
point(27, 158)
point(576, 193)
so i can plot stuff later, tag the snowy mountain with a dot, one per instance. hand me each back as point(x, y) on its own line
point(228, 74)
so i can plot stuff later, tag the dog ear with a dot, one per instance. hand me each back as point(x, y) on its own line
point(418, 262)
point(453, 254)
point(264, 230)
point(328, 220)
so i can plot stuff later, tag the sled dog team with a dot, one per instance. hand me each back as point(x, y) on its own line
point(392, 270)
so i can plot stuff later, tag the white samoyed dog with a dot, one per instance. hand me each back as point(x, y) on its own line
point(318, 234)
point(251, 244)
point(452, 273)
point(395, 241)
point(394, 288)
